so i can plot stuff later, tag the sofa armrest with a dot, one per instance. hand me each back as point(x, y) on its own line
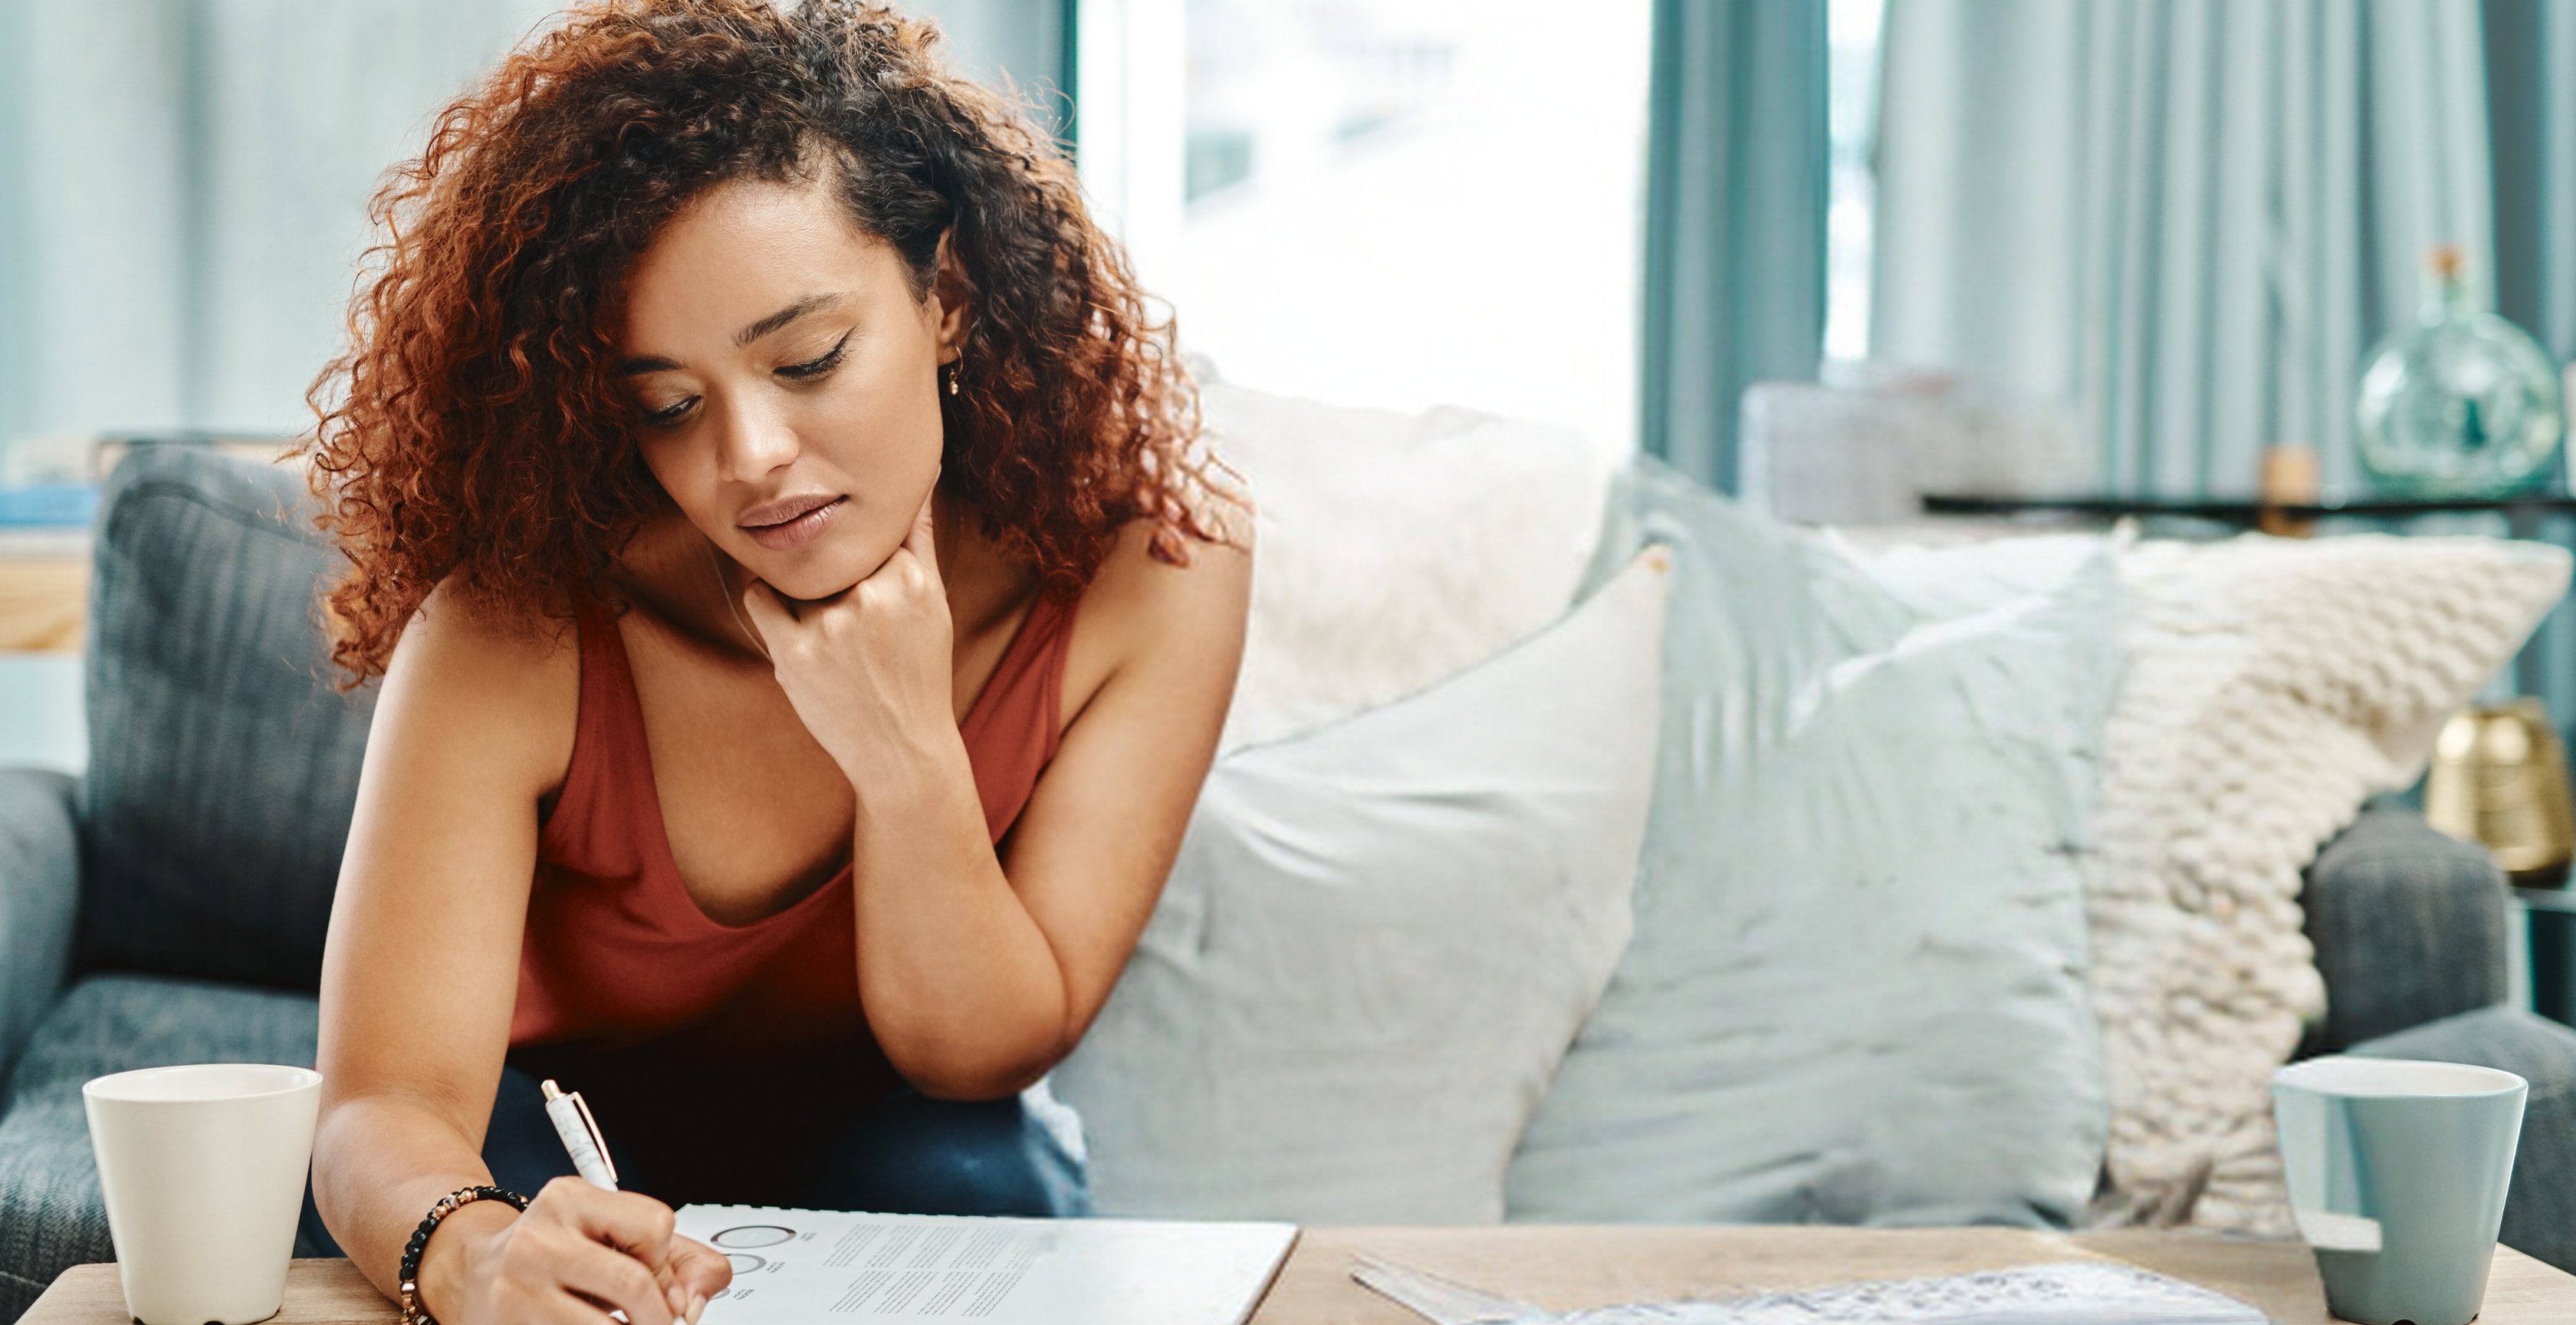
point(2540, 1209)
point(39, 897)
point(2409, 927)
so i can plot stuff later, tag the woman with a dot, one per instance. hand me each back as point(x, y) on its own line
point(803, 630)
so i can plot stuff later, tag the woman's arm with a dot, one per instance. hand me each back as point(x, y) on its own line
point(977, 978)
point(419, 978)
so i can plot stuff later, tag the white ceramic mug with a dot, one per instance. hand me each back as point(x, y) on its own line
point(203, 1168)
point(2398, 1172)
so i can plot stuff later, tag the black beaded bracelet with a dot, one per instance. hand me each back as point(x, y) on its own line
point(412, 1311)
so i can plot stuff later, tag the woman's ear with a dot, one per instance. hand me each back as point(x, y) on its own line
point(949, 297)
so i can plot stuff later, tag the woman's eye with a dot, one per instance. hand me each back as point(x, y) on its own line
point(819, 365)
point(671, 413)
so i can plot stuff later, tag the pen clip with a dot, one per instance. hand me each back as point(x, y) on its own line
point(597, 1139)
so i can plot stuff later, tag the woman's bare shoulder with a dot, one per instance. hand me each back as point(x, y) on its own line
point(501, 691)
point(1186, 611)
point(460, 636)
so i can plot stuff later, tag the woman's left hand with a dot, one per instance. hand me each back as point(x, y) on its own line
point(867, 669)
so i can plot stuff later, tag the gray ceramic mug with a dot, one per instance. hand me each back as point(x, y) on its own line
point(2397, 1174)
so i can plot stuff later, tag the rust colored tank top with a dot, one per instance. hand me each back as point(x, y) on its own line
point(616, 954)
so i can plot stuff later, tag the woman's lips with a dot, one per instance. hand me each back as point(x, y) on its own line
point(792, 523)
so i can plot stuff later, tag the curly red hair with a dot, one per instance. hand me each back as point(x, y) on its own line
point(472, 434)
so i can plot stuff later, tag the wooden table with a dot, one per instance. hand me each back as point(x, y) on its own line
point(44, 588)
point(1566, 1268)
point(1580, 1267)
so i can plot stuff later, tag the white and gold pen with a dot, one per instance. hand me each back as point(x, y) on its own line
point(580, 1133)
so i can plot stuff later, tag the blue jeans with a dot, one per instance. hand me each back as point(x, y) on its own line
point(804, 1139)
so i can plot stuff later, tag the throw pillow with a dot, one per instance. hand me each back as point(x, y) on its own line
point(2274, 684)
point(1379, 939)
point(1856, 989)
point(1395, 549)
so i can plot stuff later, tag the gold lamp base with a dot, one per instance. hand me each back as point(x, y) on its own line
point(2499, 778)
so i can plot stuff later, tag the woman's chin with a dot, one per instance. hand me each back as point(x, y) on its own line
point(811, 588)
point(822, 572)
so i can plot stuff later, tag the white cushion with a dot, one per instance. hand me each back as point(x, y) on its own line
point(1856, 989)
point(1394, 550)
point(1379, 939)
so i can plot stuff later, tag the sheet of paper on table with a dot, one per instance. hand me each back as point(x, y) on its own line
point(2069, 1293)
point(813, 1265)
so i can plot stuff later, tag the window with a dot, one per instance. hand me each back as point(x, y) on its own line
point(1397, 203)
point(1851, 40)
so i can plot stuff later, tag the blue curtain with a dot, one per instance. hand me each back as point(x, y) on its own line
point(2531, 126)
point(183, 186)
point(2191, 219)
point(2531, 118)
point(1737, 171)
point(2188, 219)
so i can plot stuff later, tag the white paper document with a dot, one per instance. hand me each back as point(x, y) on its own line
point(815, 1265)
point(2068, 1293)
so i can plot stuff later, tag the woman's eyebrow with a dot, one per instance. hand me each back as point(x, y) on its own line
point(782, 317)
point(654, 363)
point(642, 364)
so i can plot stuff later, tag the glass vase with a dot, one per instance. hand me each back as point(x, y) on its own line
point(2462, 404)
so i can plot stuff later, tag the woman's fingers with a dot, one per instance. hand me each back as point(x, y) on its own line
point(615, 1247)
point(561, 1308)
point(616, 1280)
point(770, 618)
point(552, 1272)
point(699, 1268)
point(920, 542)
point(919, 538)
point(635, 1224)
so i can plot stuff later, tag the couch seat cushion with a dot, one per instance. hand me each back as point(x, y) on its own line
point(51, 1215)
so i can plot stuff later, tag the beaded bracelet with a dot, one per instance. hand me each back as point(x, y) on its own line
point(412, 1312)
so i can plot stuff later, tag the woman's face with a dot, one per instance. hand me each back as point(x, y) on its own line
point(789, 382)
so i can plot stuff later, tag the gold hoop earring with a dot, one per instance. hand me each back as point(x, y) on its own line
point(956, 370)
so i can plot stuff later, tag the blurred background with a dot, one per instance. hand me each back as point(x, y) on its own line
point(2163, 237)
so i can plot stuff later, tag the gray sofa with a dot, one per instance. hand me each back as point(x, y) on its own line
point(171, 906)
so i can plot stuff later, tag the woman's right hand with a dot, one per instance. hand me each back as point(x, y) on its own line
point(573, 1255)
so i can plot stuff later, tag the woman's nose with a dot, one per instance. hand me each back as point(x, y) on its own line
point(753, 442)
